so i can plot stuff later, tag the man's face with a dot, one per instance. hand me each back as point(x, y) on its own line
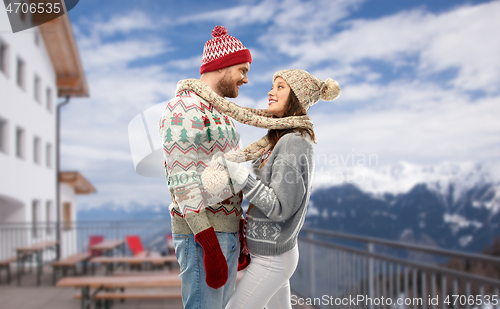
point(233, 77)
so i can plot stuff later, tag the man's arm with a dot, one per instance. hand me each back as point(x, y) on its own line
point(182, 165)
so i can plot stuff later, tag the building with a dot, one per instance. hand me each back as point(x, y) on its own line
point(37, 66)
point(71, 184)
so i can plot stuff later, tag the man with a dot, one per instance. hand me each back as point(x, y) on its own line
point(205, 234)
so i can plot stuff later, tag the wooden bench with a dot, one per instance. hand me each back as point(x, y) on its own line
point(154, 259)
point(104, 299)
point(135, 295)
point(70, 262)
point(127, 273)
point(5, 264)
point(102, 283)
point(35, 250)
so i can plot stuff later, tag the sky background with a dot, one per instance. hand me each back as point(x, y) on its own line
point(420, 80)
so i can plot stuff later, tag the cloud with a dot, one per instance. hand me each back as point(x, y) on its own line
point(467, 44)
point(236, 16)
point(457, 39)
point(185, 64)
point(457, 132)
point(105, 56)
point(124, 23)
point(292, 15)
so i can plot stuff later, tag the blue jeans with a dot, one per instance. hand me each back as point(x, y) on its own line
point(196, 294)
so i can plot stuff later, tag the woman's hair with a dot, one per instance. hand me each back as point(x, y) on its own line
point(292, 108)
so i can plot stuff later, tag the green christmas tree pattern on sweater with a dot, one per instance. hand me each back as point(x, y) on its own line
point(168, 136)
point(197, 139)
point(199, 124)
point(221, 134)
point(208, 136)
point(184, 138)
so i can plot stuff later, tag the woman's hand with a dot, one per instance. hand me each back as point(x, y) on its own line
point(237, 172)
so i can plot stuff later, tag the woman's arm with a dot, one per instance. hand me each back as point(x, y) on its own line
point(284, 195)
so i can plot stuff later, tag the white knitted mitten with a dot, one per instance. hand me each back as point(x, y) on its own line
point(237, 171)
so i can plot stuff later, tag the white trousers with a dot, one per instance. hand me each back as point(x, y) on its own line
point(266, 282)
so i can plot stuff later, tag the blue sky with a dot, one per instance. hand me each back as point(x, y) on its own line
point(420, 79)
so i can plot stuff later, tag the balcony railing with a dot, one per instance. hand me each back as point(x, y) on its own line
point(75, 235)
point(335, 269)
point(349, 271)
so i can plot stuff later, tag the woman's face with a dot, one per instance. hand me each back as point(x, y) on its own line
point(278, 96)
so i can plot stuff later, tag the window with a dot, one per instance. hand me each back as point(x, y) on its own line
point(3, 135)
point(49, 99)
point(48, 217)
point(34, 217)
point(20, 143)
point(20, 73)
point(37, 89)
point(3, 57)
point(66, 215)
point(36, 150)
point(48, 155)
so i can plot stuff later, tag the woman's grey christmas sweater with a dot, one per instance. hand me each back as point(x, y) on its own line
point(280, 195)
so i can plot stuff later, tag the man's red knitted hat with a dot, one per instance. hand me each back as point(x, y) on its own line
point(223, 51)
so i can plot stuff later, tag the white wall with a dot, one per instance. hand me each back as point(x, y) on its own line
point(68, 237)
point(24, 180)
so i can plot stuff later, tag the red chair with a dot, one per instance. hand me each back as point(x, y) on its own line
point(170, 245)
point(135, 244)
point(94, 240)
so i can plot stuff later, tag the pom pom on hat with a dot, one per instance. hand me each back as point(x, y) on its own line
point(219, 31)
point(331, 90)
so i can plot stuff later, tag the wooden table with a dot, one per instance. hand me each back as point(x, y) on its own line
point(153, 258)
point(167, 280)
point(37, 250)
point(71, 261)
point(108, 246)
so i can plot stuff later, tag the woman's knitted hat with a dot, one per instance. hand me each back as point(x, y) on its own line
point(308, 88)
point(223, 51)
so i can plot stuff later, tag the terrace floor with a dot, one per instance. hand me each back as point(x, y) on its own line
point(47, 296)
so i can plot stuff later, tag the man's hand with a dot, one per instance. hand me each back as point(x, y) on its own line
point(213, 258)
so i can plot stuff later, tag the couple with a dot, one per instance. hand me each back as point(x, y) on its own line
point(207, 219)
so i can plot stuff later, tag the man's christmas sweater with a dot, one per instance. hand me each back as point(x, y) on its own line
point(192, 132)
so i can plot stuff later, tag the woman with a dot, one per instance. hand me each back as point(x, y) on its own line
point(279, 195)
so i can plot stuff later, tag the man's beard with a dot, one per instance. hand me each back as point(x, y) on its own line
point(227, 88)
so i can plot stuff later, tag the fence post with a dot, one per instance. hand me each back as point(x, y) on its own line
point(312, 267)
point(371, 272)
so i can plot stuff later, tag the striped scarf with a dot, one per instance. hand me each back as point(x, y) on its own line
point(245, 115)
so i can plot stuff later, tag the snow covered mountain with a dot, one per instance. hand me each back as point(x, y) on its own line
point(451, 205)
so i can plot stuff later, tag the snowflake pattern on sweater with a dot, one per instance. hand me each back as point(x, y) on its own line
point(192, 131)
